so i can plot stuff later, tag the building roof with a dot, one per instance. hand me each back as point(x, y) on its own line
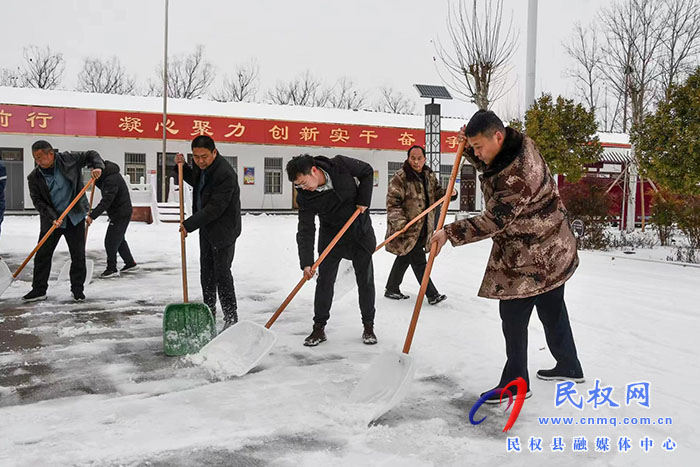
point(93, 101)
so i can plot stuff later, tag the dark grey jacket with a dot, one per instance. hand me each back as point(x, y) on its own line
point(219, 219)
point(71, 165)
point(352, 181)
point(116, 199)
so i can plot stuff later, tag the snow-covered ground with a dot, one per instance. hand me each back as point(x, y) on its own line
point(88, 384)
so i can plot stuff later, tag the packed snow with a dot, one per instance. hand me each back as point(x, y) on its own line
point(88, 383)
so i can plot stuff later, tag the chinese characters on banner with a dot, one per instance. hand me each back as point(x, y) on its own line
point(253, 131)
point(118, 124)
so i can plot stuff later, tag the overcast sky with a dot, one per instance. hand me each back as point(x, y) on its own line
point(373, 42)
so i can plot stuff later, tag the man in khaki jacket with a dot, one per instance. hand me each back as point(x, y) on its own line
point(534, 249)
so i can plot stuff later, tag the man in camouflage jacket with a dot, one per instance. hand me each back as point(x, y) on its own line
point(411, 190)
point(534, 249)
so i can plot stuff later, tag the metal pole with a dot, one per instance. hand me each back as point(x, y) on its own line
point(531, 60)
point(163, 177)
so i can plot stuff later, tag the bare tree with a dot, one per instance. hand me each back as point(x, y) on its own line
point(105, 77)
point(242, 86)
point(476, 61)
point(392, 101)
point(632, 36)
point(303, 90)
point(346, 96)
point(583, 48)
point(189, 76)
point(9, 78)
point(43, 68)
point(680, 41)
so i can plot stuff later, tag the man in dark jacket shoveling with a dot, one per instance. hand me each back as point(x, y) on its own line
point(116, 200)
point(217, 215)
point(534, 249)
point(329, 188)
point(53, 184)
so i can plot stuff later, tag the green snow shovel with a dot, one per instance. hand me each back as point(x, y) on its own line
point(187, 327)
point(7, 278)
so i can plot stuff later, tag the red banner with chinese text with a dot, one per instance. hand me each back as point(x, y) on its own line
point(117, 124)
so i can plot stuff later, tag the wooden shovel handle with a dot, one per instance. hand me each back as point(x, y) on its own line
point(313, 268)
point(92, 196)
point(53, 227)
point(182, 234)
point(413, 221)
point(433, 252)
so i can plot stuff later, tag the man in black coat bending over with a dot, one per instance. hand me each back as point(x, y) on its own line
point(217, 215)
point(329, 188)
point(116, 200)
point(53, 184)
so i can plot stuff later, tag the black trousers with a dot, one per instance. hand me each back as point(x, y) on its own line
point(551, 309)
point(216, 278)
point(416, 259)
point(75, 238)
point(115, 242)
point(364, 276)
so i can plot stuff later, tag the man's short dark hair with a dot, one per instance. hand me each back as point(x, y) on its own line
point(41, 145)
point(422, 149)
point(300, 165)
point(204, 141)
point(484, 122)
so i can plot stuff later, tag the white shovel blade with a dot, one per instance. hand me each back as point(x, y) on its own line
point(5, 277)
point(237, 350)
point(386, 382)
point(64, 275)
point(345, 281)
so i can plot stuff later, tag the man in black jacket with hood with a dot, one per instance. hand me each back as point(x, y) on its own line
point(329, 188)
point(117, 202)
point(217, 215)
point(53, 184)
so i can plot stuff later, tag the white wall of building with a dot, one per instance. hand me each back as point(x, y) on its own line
point(249, 155)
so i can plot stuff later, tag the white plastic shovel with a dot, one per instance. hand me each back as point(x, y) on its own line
point(5, 277)
point(238, 349)
point(64, 275)
point(389, 377)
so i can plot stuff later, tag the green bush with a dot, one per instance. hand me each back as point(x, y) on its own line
point(663, 215)
point(590, 203)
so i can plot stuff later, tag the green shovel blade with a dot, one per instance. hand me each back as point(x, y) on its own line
point(187, 327)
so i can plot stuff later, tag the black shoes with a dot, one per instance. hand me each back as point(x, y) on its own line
point(109, 273)
point(228, 323)
point(34, 296)
point(130, 268)
point(395, 295)
point(78, 297)
point(317, 336)
point(368, 336)
point(496, 397)
point(555, 374)
point(436, 299)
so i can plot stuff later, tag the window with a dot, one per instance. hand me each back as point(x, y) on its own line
point(233, 160)
point(135, 166)
point(392, 168)
point(273, 175)
point(445, 173)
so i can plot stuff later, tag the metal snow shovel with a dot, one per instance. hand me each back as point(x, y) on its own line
point(5, 277)
point(187, 327)
point(242, 346)
point(390, 375)
point(64, 275)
